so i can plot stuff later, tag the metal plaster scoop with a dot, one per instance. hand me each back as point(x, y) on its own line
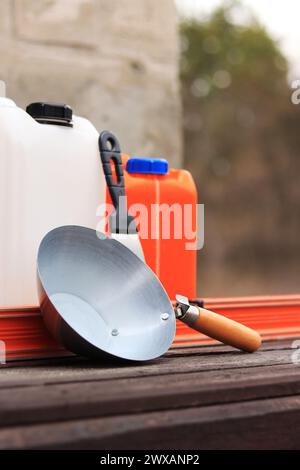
point(99, 299)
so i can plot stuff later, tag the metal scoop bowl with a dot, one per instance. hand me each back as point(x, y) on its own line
point(100, 300)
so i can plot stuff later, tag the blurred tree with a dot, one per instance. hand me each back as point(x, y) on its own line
point(242, 143)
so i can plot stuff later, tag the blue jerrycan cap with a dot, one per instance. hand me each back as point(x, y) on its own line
point(149, 166)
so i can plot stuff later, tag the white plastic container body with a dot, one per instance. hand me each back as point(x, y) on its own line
point(50, 176)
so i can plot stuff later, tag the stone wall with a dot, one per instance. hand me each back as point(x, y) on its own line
point(113, 61)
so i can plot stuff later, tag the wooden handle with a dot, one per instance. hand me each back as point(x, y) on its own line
point(227, 331)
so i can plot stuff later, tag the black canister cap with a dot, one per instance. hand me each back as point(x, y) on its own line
point(50, 113)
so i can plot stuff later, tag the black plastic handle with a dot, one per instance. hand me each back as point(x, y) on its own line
point(110, 151)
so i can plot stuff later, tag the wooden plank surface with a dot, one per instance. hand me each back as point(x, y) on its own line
point(186, 360)
point(193, 397)
point(258, 424)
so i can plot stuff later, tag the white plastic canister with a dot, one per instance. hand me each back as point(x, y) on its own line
point(50, 175)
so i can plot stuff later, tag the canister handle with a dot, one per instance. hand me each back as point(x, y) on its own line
point(110, 151)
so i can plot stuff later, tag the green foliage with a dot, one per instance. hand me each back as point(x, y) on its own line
point(241, 142)
point(246, 52)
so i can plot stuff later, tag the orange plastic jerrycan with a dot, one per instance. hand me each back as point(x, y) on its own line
point(164, 204)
